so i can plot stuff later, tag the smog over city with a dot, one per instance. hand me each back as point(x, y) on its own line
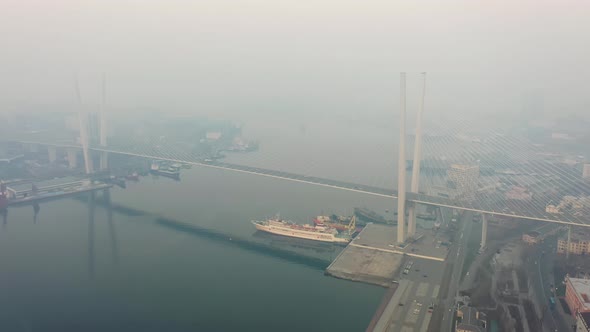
point(294, 165)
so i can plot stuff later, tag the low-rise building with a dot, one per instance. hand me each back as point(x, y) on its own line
point(213, 135)
point(579, 243)
point(552, 209)
point(531, 237)
point(577, 295)
point(469, 319)
point(518, 193)
point(583, 322)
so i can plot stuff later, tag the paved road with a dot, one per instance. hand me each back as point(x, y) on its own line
point(459, 260)
point(540, 266)
point(442, 319)
point(423, 288)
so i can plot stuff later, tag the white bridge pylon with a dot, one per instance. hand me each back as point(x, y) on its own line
point(401, 182)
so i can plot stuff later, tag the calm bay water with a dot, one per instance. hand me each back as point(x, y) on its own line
point(76, 269)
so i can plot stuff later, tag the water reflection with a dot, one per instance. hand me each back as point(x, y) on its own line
point(293, 256)
point(4, 213)
point(112, 231)
point(106, 203)
point(36, 209)
point(91, 212)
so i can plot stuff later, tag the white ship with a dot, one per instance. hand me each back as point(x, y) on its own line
point(308, 232)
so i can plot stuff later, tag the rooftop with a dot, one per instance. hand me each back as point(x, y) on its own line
point(471, 319)
point(585, 316)
point(582, 289)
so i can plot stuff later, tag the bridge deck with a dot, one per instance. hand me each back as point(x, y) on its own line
point(498, 207)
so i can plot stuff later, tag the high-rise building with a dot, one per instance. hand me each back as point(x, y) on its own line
point(463, 179)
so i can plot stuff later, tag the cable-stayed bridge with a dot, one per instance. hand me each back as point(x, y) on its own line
point(483, 203)
point(485, 170)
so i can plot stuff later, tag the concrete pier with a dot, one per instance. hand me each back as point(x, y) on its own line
point(104, 160)
point(374, 257)
point(33, 147)
point(52, 152)
point(484, 231)
point(72, 158)
point(569, 238)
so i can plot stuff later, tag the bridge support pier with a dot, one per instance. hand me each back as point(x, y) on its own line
point(401, 179)
point(411, 219)
point(72, 158)
point(569, 237)
point(104, 161)
point(32, 147)
point(484, 231)
point(52, 152)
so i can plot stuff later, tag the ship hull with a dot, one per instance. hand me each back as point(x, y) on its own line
point(301, 234)
point(173, 175)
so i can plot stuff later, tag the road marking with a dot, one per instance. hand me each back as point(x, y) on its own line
point(425, 322)
point(397, 252)
point(422, 289)
point(435, 291)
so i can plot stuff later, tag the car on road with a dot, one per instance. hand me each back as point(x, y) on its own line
point(425, 275)
point(416, 311)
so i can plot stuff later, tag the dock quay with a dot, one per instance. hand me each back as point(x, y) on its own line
point(27, 193)
point(372, 258)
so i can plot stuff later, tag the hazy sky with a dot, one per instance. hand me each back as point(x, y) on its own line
point(296, 55)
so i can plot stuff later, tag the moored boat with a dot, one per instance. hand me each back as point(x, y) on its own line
point(308, 232)
point(342, 224)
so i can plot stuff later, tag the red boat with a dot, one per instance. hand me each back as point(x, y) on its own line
point(340, 223)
